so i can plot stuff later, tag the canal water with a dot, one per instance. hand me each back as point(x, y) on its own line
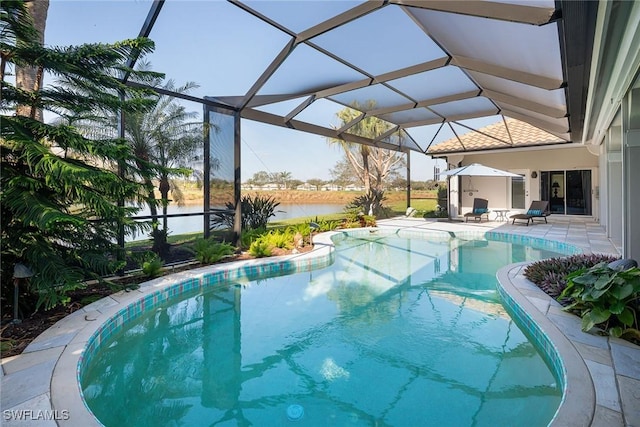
point(190, 224)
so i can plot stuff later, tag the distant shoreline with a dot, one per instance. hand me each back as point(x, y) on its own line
point(313, 197)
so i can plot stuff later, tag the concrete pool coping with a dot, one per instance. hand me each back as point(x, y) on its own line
point(603, 374)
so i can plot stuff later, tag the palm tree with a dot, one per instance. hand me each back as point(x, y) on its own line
point(368, 163)
point(284, 177)
point(164, 138)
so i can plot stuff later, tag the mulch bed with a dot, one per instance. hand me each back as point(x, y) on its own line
point(14, 338)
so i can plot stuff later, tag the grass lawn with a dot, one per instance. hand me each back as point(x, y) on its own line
point(398, 207)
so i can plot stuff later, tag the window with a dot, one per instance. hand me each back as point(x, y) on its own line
point(518, 193)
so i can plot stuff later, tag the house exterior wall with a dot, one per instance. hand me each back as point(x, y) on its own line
point(612, 119)
point(612, 219)
point(631, 173)
point(498, 190)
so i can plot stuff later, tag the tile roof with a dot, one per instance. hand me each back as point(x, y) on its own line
point(496, 136)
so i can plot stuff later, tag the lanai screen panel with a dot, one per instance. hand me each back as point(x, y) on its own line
point(234, 47)
point(93, 21)
point(520, 93)
point(382, 41)
point(409, 62)
point(305, 71)
point(414, 115)
point(431, 85)
point(221, 160)
point(370, 98)
point(509, 45)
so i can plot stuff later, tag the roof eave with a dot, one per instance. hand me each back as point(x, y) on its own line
point(531, 147)
point(576, 32)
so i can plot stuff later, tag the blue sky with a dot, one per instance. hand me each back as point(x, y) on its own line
point(210, 43)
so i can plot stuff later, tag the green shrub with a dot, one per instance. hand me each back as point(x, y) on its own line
point(322, 226)
point(148, 261)
point(551, 274)
point(208, 251)
point(256, 212)
point(152, 265)
point(369, 202)
point(247, 237)
point(606, 297)
point(260, 249)
point(280, 239)
point(355, 219)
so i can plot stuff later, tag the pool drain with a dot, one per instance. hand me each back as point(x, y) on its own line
point(295, 412)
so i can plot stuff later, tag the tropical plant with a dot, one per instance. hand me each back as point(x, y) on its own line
point(248, 236)
point(152, 265)
point(355, 218)
point(256, 211)
point(550, 275)
point(369, 203)
point(326, 224)
point(59, 201)
point(280, 238)
point(607, 297)
point(208, 251)
point(260, 249)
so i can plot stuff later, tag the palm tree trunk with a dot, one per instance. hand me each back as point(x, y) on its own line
point(165, 187)
point(159, 243)
point(30, 78)
point(365, 172)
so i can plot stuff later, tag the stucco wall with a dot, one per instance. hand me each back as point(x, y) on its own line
point(497, 190)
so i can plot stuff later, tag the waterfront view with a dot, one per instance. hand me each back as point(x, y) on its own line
point(191, 224)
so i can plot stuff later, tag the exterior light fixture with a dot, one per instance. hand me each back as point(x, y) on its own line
point(20, 273)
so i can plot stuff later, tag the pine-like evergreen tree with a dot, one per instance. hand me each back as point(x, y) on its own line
point(60, 190)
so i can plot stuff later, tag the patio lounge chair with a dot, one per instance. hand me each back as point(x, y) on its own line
point(538, 209)
point(479, 209)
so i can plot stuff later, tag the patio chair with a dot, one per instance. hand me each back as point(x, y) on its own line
point(538, 209)
point(480, 207)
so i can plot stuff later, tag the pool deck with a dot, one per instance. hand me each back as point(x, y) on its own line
point(603, 374)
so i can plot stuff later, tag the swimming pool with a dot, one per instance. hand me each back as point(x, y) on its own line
point(397, 331)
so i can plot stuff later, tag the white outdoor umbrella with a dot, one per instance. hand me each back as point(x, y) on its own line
point(474, 169)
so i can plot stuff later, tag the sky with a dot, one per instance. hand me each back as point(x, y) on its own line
point(224, 50)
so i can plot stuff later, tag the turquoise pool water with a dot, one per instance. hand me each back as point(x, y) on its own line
point(397, 332)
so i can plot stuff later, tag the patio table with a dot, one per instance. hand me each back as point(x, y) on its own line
point(501, 214)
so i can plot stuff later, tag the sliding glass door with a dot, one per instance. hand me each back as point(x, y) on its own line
point(568, 192)
point(579, 192)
